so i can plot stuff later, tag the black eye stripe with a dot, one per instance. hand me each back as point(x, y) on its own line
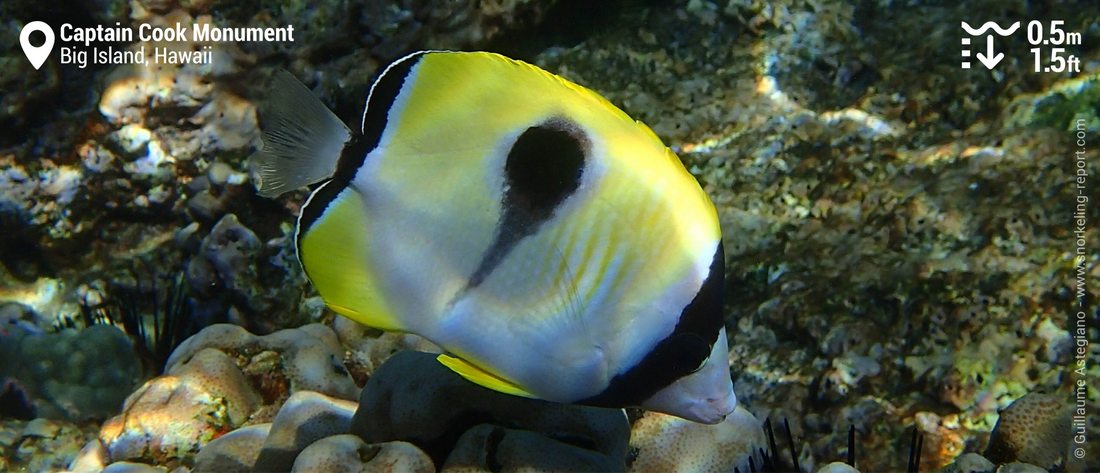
point(681, 353)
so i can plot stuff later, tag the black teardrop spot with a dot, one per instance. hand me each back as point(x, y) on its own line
point(544, 167)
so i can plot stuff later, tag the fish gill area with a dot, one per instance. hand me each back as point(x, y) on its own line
point(899, 237)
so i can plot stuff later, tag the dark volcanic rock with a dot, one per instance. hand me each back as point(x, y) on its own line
point(415, 399)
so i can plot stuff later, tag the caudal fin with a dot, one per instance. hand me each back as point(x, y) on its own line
point(302, 139)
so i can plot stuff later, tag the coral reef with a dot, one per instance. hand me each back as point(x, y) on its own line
point(837, 467)
point(235, 451)
point(308, 434)
point(667, 443)
point(305, 418)
point(219, 380)
point(40, 444)
point(177, 413)
point(225, 268)
point(72, 375)
point(368, 348)
point(105, 168)
point(969, 463)
point(1017, 467)
point(894, 253)
point(119, 160)
point(206, 414)
point(1033, 429)
point(349, 453)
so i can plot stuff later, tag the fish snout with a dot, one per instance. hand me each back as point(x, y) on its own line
point(714, 410)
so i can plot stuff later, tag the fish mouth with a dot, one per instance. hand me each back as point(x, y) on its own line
point(714, 410)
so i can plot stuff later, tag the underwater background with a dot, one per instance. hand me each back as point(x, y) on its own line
point(901, 247)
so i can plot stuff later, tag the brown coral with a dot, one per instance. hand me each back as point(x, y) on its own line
point(1033, 429)
point(218, 380)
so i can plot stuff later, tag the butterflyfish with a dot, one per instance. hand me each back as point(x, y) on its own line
point(553, 247)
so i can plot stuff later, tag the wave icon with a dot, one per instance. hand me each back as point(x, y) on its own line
point(990, 25)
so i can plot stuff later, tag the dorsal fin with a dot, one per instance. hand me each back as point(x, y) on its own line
point(303, 139)
point(383, 93)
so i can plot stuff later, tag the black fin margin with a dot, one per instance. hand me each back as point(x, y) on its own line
point(383, 93)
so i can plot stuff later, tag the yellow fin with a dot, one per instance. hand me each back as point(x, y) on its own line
point(333, 251)
point(481, 377)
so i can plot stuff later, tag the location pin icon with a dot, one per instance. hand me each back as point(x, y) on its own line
point(36, 54)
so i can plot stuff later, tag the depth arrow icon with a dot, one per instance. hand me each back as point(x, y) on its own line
point(988, 59)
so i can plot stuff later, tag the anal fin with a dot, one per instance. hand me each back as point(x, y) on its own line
point(481, 377)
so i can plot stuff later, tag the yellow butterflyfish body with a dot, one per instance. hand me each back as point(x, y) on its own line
point(551, 244)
